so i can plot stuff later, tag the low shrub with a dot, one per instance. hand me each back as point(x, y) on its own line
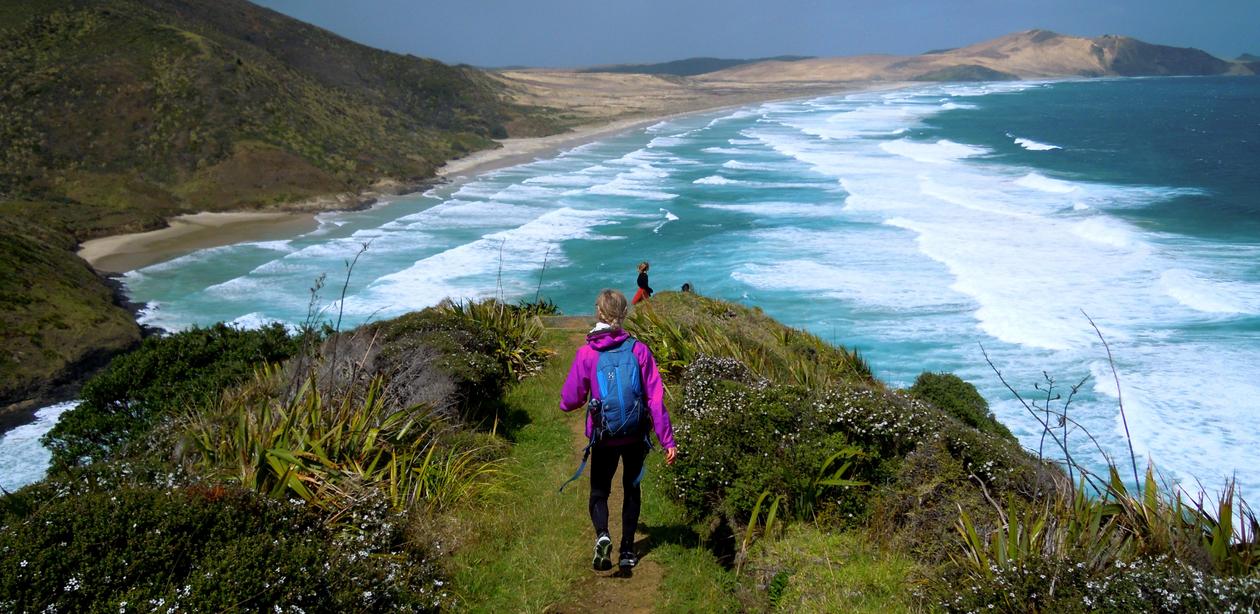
point(961, 399)
point(480, 346)
point(1113, 549)
point(916, 511)
point(206, 549)
point(1159, 584)
point(166, 375)
point(740, 435)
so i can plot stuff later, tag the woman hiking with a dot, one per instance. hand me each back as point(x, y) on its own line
point(645, 291)
point(618, 375)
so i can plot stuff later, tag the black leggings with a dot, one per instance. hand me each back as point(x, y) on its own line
point(603, 466)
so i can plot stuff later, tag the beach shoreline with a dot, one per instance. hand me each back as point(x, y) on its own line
point(184, 234)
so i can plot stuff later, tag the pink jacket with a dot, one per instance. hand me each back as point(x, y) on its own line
point(577, 387)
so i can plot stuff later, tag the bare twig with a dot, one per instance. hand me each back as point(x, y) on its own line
point(1046, 410)
point(1066, 405)
point(538, 292)
point(341, 307)
point(499, 281)
point(1128, 438)
point(1044, 425)
point(985, 489)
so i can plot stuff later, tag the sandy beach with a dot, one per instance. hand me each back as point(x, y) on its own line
point(189, 233)
point(606, 116)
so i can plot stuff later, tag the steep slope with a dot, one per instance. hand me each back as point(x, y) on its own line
point(123, 112)
point(57, 320)
point(118, 114)
point(1023, 55)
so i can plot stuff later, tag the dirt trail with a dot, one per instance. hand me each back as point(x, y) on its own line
point(611, 591)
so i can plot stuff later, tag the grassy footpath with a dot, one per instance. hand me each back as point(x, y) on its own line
point(530, 548)
point(529, 540)
point(694, 581)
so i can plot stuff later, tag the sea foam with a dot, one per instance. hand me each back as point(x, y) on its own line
point(23, 457)
point(1032, 145)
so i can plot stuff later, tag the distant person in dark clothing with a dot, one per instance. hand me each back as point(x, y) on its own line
point(645, 290)
point(686, 287)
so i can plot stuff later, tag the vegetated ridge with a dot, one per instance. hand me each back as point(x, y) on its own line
point(1024, 55)
point(116, 115)
point(412, 465)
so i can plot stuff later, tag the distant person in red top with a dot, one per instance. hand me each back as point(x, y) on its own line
point(645, 291)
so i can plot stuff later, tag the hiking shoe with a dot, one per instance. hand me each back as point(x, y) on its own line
point(603, 548)
point(628, 559)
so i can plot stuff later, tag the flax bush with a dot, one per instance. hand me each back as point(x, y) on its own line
point(480, 346)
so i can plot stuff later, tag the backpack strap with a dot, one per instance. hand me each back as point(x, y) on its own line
point(586, 453)
point(647, 449)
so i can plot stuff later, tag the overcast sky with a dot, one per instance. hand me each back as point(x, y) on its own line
point(587, 32)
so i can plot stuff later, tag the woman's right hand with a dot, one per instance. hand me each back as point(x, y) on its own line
point(670, 455)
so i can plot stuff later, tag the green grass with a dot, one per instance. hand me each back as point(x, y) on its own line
point(694, 580)
point(529, 539)
point(834, 572)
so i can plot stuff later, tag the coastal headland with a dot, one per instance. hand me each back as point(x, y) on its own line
point(227, 122)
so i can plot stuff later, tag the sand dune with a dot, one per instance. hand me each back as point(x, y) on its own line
point(1023, 55)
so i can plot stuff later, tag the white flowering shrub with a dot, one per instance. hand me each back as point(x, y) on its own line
point(740, 435)
point(207, 549)
point(1159, 584)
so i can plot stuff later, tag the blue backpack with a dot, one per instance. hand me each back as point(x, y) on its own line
point(618, 406)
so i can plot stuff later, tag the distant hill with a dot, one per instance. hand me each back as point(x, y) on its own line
point(965, 72)
point(1248, 57)
point(118, 114)
point(688, 67)
point(1023, 55)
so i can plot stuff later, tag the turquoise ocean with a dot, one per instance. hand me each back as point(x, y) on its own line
point(916, 225)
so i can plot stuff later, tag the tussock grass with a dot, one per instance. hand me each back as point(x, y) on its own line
point(680, 327)
point(813, 570)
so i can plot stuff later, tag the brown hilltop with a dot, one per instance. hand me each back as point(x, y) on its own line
point(1023, 55)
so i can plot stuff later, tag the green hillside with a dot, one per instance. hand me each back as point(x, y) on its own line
point(118, 114)
point(54, 313)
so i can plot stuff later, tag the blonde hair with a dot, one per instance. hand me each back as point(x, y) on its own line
point(610, 307)
point(643, 266)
